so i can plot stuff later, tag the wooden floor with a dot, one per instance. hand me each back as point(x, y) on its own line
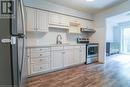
point(115, 73)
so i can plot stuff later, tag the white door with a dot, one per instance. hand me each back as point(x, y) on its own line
point(57, 60)
point(42, 21)
point(68, 57)
point(31, 19)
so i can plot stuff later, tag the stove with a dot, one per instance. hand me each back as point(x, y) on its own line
point(91, 50)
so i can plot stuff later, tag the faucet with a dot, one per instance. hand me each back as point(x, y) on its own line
point(59, 40)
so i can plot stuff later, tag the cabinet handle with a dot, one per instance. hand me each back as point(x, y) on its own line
point(40, 67)
point(40, 54)
point(63, 52)
point(40, 59)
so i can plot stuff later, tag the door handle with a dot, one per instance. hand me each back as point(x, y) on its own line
point(12, 40)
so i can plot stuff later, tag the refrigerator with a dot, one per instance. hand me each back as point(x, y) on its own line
point(13, 61)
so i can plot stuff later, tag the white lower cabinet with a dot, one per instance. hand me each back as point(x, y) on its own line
point(38, 68)
point(82, 54)
point(68, 57)
point(57, 59)
point(40, 65)
point(76, 54)
point(39, 61)
point(42, 60)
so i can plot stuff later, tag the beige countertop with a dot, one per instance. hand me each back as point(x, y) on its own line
point(54, 45)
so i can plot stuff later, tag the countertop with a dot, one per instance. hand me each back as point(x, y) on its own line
point(54, 45)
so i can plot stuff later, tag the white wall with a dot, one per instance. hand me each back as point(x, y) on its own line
point(100, 26)
point(109, 30)
point(42, 4)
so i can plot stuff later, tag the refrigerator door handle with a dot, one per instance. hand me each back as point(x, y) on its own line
point(19, 35)
point(6, 40)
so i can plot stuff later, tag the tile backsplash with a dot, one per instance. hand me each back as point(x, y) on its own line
point(40, 38)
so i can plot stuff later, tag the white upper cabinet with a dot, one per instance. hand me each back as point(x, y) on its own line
point(64, 20)
point(37, 20)
point(90, 24)
point(42, 21)
point(58, 20)
point(74, 25)
point(31, 19)
point(83, 23)
point(86, 24)
point(54, 19)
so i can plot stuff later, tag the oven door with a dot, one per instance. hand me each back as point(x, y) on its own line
point(92, 51)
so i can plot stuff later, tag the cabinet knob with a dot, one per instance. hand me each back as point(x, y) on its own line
point(40, 54)
point(40, 49)
point(63, 52)
point(40, 59)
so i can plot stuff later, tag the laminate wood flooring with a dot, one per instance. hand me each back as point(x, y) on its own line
point(114, 73)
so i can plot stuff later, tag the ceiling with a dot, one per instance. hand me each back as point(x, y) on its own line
point(89, 7)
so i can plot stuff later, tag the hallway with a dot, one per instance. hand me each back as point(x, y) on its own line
point(115, 73)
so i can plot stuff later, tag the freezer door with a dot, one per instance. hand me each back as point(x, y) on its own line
point(5, 55)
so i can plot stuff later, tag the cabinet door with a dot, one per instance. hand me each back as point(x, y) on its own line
point(42, 21)
point(64, 20)
point(40, 65)
point(68, 57)
point(77, 55)
point(83, 23)
point(74, 25)
point(57, 60)
point(86, 24)
point(74, 29)
point(82, 54)
point(38, 68)
point(54, 19)
point(89, 24)
point(31, 19)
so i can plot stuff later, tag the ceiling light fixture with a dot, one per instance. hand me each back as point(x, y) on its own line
point(89, 0)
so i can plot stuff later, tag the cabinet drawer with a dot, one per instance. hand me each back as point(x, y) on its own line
point(41, 61)
point(33, 50)
point(68, 47)
point(36, 54)
point(57, 48)
point(37, 68)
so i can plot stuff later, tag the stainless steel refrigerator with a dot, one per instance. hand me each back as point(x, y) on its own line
point(13, 62)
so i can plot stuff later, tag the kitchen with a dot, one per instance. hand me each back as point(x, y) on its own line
point(56, 41)
point(63, 39)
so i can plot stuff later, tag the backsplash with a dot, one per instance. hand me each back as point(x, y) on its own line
point(38, 38)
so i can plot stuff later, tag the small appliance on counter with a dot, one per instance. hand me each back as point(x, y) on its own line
point(91, 50)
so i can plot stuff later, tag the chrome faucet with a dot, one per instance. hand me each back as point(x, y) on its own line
point(59, 40)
